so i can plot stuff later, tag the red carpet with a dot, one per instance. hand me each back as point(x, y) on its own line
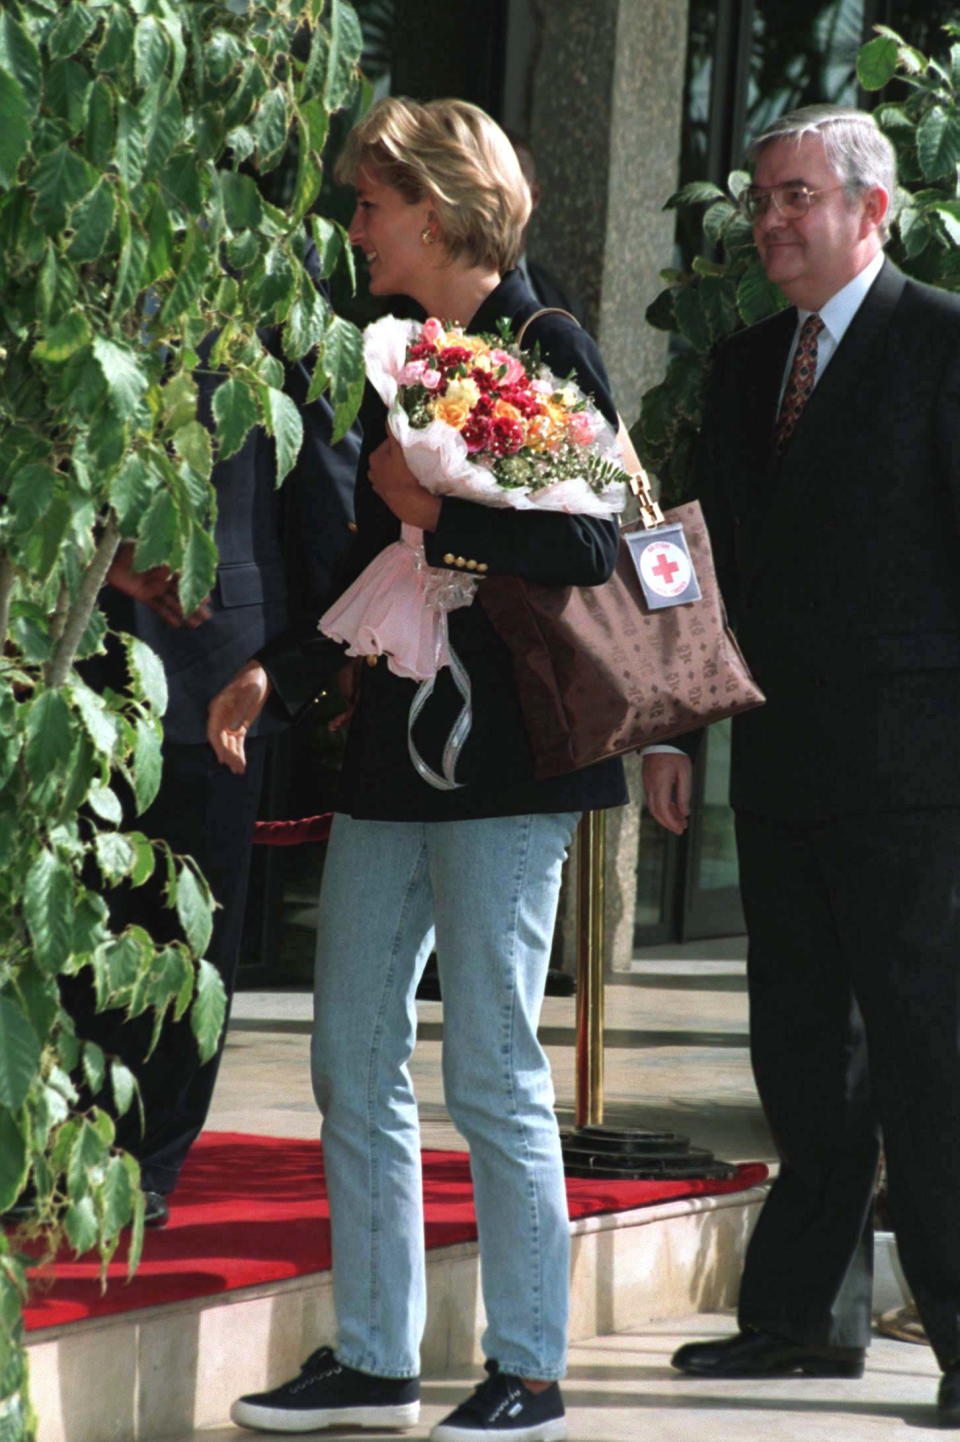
point(253, 1209)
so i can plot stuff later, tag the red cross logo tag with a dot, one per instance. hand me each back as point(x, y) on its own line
point(665, 568)
point(663, 565)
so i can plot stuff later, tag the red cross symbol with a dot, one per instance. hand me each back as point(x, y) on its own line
point(665, 569)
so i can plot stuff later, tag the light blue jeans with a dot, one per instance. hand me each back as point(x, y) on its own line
point(488, 891)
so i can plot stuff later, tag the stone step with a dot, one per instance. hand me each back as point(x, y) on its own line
point(172, 1371)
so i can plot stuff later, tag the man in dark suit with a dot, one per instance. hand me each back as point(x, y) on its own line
point(277, 551)
point(830, 474)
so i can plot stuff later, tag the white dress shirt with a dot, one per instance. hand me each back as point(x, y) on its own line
point(836, 315)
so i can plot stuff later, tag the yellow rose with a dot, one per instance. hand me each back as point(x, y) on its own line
point(474, 343)
point(504, 408)
point(463, 392)
point(454, 413)
point(539, 433)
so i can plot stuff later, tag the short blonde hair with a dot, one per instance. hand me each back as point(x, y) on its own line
point(453, 154)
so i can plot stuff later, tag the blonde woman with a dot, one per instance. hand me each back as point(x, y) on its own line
point(441, 207)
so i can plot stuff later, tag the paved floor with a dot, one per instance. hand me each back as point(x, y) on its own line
point(621, 1389)
point(676, 1059)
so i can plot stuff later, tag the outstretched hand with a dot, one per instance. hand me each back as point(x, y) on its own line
point(155, 587)
point(668, 782)
point(233, 711)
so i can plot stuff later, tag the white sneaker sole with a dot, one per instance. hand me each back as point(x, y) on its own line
point(284, 1419)
point(553, 1431)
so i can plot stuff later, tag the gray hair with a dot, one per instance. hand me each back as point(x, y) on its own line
point(853, 143)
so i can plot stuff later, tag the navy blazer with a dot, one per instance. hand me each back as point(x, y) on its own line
point(378, 780)
point(278, 549)
point(840, 563)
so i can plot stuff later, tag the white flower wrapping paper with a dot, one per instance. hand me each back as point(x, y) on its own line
point(438, 456)
point(397, 607)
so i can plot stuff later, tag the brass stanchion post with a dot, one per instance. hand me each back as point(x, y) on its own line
point(591, 1149)
point(591, 860)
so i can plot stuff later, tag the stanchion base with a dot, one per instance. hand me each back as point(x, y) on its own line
point(631, 1154)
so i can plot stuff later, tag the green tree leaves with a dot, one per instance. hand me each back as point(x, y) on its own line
point(14, 127)
point(877, 62)
point(19, 1055)
point(125, 380)
point(48, 899)
point(134, 256)
point(92, 220)
point(938, 142)
point(236, 411)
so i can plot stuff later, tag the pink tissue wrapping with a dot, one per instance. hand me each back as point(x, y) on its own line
point(386, 612)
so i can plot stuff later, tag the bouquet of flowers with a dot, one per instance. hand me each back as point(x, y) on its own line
point(479, 419)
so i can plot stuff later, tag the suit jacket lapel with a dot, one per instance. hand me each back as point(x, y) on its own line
point(804, 468)
point(763, 403)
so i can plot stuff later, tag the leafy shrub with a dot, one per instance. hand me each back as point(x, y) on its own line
point(132, 225)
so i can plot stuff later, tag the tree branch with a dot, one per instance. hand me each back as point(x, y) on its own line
point(80, 612)
point(7, 577)
point(61, 612)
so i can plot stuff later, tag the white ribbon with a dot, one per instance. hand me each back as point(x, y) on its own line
point(398, 608)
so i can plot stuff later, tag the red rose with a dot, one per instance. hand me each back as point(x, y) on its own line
point(526, 401)
point(476, 432)
point(454, 355)
point(421, 350)
point(506, 436)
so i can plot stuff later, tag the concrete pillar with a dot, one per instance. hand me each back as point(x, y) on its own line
point(605, 122)
point(605, 128)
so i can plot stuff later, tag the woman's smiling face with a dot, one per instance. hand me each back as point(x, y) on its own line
point(389, 230)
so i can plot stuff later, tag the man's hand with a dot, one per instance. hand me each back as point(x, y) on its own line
point(398, 487)
point(667, 782)
point(155, 588)
point(233, 711)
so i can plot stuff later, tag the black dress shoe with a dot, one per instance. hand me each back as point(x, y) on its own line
point(948, 1398)
point(156, 1213)
point(757, 1354)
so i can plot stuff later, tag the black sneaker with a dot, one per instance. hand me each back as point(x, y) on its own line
point(328, 1394)
point(502, 1409)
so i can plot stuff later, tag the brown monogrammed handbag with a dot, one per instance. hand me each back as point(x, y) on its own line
point(600, 674)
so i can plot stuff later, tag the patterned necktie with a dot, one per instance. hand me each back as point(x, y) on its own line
point(800, 382)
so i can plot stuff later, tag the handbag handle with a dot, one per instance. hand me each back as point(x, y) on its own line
point(637, 478)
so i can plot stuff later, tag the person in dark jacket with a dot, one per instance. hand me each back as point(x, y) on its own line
point(441, 205)
point(277, 550)
point(830, 476)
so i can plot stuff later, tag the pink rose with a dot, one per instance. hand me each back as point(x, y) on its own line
point(412, 373)
point(582, 428)
point(514, 370)
point(431, 379)
point(432, 330)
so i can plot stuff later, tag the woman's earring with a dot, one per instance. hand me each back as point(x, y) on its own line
point(427, 235)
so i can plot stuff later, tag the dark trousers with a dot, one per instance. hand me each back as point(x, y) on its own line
point(204, 811)
point(854, 979)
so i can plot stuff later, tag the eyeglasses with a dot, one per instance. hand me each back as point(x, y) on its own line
point(792, 200)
